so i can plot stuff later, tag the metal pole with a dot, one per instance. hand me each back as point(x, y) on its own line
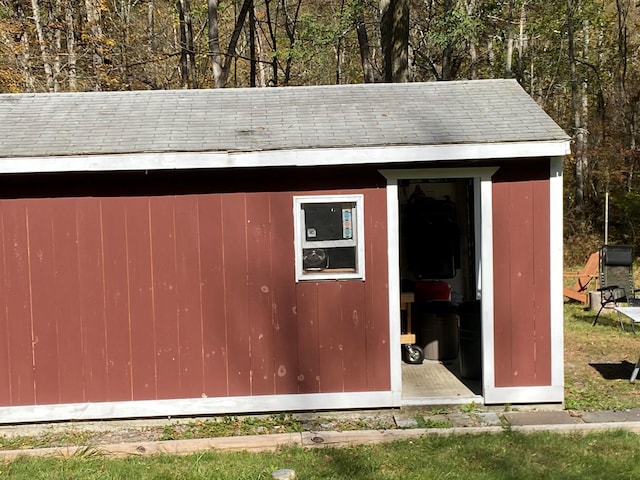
point(606, 218)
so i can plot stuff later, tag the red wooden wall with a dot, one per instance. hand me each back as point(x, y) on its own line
point(180, 296)
point(521, 275)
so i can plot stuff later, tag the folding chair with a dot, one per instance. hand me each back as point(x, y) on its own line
point(616, 278)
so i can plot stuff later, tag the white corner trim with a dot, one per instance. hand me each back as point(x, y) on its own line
point(196, 406)
point(556, 259)
point(393, 268)
point(282, 158)
point(486, 288)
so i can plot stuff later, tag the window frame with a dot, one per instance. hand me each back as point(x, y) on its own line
point(301, 243)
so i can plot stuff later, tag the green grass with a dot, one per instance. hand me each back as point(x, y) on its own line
point(598, 362)
point(231, 426)
point(612, 455)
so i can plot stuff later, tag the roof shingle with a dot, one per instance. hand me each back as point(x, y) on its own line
point(233, 120)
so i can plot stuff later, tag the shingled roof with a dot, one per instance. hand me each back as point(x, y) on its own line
point(267, 119)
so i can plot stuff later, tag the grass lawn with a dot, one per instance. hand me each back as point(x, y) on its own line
point(598, 361)
point(613, 455)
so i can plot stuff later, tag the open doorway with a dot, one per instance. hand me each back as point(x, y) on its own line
point(441, 333)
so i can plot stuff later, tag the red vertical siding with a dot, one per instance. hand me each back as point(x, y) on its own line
point(67, 313)
point(17, 306)
point(330, 337)
point(180, 296)
point(165, 296)
point(377, 294)
point(92, 309)
point(214, 325)
point(308, 338)
point(353, 348)
point(40, 217)
point(541, 288)
point(234, 238)
point(188, 297)
point(283, 295)
point(260, 284)
point(5, 349)
point(521, 279)
point(117, 314)
point(139, 276)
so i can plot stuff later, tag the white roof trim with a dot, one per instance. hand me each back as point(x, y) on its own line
point(282, 158)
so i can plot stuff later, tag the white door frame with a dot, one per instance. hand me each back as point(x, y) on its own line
point(483, 231)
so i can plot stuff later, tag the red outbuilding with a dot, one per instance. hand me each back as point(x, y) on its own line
point(281, 249)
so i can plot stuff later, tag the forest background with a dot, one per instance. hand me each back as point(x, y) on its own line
point(579, 59)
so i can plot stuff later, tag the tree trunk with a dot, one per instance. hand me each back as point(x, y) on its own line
point(579, 134)
point(191, 50)
point(48, 71)
point(369, 72)
point(290, 25)
point(214, 43)
point(274, 42)
point(522, 41)
point(184, 53)
point(55, 42)
point(508, 62)
point(220, 69)
point(71, 46)
point(95, 29)
point(394, 37)
point(261, 63)
point(473, 47)
point(25, 55)
point(252, 45)
point(188, 71)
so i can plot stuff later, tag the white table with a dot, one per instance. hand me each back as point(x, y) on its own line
point(634, 314)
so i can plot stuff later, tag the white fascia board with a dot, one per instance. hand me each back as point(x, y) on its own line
point(106, 163)
point(197, 406)
point(282, 158)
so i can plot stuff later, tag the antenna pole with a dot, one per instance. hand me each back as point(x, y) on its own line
point(606, 217)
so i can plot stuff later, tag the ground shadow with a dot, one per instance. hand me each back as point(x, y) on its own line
point(607, 318)
point(614, 371)
point(473, 384)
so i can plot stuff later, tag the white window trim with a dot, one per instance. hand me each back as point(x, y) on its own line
point(358, 235)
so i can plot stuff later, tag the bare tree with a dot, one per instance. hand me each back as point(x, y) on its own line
point(44, 46)
point(94, 24)
point(221, 69)
point(72, 59)
point(188, 72)
point(394, 34)
point(370, 73)
point(579, 130)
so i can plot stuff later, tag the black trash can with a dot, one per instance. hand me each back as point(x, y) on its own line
point(470, 335)
point(437, 326)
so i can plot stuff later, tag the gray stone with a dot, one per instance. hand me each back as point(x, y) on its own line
point(488, 419)
point(461, 420)
point(284, 474)
point(540, 418)
point(405, 421)
point(632, 415)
